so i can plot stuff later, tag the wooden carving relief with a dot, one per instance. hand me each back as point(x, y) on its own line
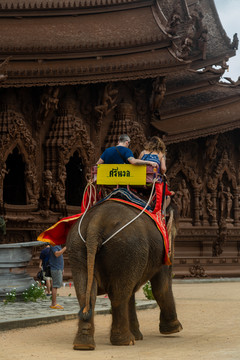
point(157, 96)
point(48, 104)
point(193, 38)
point(125, 123)
point(208, 183)
point(106, 103)
point(16, 135)
point(72, 136)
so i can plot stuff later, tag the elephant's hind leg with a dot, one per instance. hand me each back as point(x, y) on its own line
point(84, 339)
point(133, 320)
point(120, 332)
point(162, 291)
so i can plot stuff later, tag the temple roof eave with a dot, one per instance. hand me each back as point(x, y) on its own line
point(78, 71)
point(98, 31)
point(221, 117)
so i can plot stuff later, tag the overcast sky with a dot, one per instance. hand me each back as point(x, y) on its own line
point(229, 13)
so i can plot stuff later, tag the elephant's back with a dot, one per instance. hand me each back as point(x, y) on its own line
point(116, 213)
point(110, 216)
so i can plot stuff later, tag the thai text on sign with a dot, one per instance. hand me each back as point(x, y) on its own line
point(121, 174)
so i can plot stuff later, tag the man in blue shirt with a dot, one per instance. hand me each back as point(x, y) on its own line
point(57, 264)
point(120, 154)
point(44, 266)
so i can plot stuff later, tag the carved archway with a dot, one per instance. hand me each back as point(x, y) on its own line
point(14, 190)
point(15, 134)
point(225, 166)
point(67, 135)
point(75, 180)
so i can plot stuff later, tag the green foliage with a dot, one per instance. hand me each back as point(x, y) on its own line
point(10, 297)
point(34, 292)
point(147, 290)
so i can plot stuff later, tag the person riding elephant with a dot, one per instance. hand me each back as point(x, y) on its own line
point(108, 257)
point(121, 154)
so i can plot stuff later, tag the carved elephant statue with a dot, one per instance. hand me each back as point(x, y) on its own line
point(119, 268)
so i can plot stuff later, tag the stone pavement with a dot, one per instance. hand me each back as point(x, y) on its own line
point(23, 314)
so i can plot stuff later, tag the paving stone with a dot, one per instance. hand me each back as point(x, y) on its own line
point(22, 314)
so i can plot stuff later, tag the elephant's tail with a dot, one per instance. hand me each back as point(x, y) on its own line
point(92, 246)
point(172, 232)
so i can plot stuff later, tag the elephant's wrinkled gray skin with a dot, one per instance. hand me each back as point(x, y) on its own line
point(119, 268)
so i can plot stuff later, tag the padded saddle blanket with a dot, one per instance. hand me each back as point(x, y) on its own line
point(57, 233)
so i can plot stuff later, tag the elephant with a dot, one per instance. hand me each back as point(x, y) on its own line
point(118, 268)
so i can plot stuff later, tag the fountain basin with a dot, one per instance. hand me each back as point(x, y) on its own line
point(14, 259)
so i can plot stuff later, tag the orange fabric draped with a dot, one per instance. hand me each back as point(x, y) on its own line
point(57, 233)
point(159, 194)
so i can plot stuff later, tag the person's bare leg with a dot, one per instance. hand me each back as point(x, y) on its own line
point(54, 296)
point(48, 285)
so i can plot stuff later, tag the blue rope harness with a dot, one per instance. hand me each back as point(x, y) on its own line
point(125, 194)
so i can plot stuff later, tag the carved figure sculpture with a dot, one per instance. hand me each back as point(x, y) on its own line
point(222, 200)
point(201, 204)
point(115, 268)
point(3, 173)
point(197, 183)
point(47, 187)
point(108, 101)
point(178, 200)
point(233, 83)
point(174, 21)
point(209, 204)
point(211, 148)
point(60, 196)
point(202, 42)
point(49, 101)
point(212, 183)
point(62, 176)
point(158, 93)
point(221, 70)
point(229, 197)
point(235, 42)
point(31, 186)
point(185, 199)
point(140, 99)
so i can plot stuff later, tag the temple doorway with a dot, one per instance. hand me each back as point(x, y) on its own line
point(14, 191)
point(75, 182)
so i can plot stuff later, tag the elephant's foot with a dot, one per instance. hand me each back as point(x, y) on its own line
point(170, 327)
point(84, 339)
point(137, 334)
point(120, 339)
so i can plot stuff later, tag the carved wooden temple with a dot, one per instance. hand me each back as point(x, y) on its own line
point(75, 74)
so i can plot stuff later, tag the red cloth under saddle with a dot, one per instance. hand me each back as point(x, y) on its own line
point(57, 233)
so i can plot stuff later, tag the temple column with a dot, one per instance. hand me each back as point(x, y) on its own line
point(214, 200)
point(196, 207)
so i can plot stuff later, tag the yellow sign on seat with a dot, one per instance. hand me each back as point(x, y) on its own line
point(121, 174)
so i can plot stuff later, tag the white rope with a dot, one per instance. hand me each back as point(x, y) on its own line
point(135, 218)
point(91, 186)
point(123, 227)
